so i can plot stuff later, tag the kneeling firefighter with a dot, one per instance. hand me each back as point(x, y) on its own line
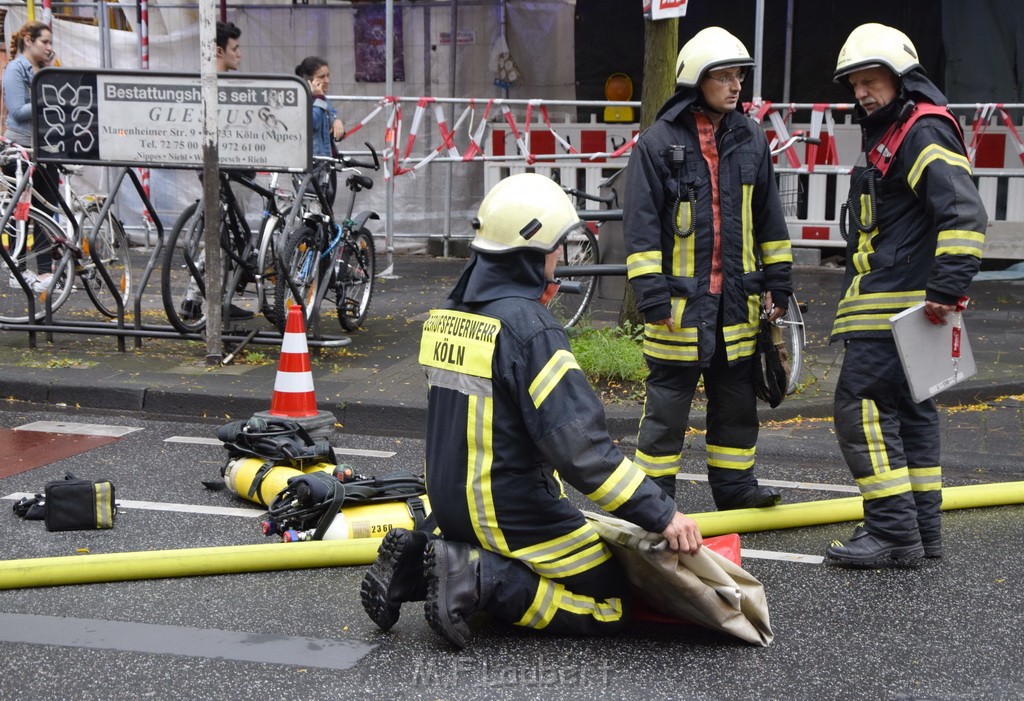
point(510, 415)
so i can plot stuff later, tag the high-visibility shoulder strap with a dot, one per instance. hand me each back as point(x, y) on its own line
point(883, 154)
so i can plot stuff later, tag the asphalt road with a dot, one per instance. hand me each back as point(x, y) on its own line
point(947, 630)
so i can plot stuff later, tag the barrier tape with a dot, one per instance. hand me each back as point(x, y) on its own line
point(822, 113)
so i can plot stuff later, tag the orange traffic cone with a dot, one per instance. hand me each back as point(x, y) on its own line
point(293, 387)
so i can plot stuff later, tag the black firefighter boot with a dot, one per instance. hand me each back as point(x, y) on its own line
point(865, 549)
point(395, 577)
point(454, 590)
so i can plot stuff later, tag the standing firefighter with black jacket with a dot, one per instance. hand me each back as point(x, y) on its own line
point(511, 415)
point(915, 232)
point(705, 238)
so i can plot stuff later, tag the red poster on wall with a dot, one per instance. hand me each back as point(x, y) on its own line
point(370, 44)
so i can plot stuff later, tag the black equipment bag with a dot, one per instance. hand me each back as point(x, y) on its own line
point(71, 504)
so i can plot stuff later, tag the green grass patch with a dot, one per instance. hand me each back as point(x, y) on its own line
point(610, 354)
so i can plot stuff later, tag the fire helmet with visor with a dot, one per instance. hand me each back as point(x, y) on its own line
point(525, 211)
point(872, 45)
point(709, 49)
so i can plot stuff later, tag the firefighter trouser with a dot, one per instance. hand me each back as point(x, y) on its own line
point(572, 586)
point(592, 602)
point(731, 424)
point(890, 443)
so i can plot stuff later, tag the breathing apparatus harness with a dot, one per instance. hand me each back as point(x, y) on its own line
point(276, 440)
point(880, 159)
point(311, 501)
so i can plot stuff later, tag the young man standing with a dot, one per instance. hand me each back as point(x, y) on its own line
point(705, 239)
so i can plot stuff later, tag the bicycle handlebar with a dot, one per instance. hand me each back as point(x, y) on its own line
point(608, 200)
point(797, 137)
point(342, 161)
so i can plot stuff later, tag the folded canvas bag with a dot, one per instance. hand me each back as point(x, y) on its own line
point(706, 588)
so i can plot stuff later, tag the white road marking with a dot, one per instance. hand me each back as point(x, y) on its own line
point(194, 440)
point(148, 638)
point(785, 557)
point(77, 429)
point(170, 506)
point(813, 486)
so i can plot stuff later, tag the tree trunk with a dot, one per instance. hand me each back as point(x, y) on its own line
point(661, 42)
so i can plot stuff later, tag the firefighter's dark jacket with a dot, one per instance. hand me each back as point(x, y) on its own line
point(671, 275)
point(930, 222)
point(511, 413)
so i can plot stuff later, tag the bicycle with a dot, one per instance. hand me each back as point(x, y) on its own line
point(580, 248)
point(325, 256)
point(51, 244)
point(248, 258)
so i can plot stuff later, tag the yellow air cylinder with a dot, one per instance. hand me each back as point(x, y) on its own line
point(241, 474)
point(816, 513)
point(190, 562)
point(364, 521)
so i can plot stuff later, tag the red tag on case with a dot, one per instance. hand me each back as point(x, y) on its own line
point(956, 341)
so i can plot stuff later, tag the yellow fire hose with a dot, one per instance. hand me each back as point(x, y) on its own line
point(189, 562)
point(193, 562)
point(816, 513)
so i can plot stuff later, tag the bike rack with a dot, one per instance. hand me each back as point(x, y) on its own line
point(119, 327)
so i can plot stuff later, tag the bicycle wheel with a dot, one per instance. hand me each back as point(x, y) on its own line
point(792, 327)
point(271, 238)
point(301, 261)
point(181, 279)
point(353, 278)
point(111, 244)
point(36, 255)
point(569, 305)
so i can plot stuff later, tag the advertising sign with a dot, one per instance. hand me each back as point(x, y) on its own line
point(155, 120)
point(663, 9)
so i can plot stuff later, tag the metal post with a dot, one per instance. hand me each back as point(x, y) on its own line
point(787, 67)
point(448, 169)
point(211, 182)
point(389, 64)
point(758, 48)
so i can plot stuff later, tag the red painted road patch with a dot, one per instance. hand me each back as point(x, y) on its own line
point(26, 450)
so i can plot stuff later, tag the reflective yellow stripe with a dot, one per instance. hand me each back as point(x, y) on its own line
point(865, 241)
point(730, 458)
point(862, 322)
point(104, 508)
point(552, 597)
point(874, 438)
point(678, 307)
point(543, 607)
point(548, 378)
point(643, 263)
point(619, 487)
point(776, 252)
point(885, 485)
point(581, 561)
point(683, 263)
point(610, 610)
point(747, 223)
point(480, 461)
point(873, 301)
point(960, 243)
point(680, 345)
point(660, 465)
point(934, 152)
point(557, 547)
point(683, 216)
point(925, 479)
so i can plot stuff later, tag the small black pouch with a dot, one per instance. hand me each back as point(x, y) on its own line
point(76, 504)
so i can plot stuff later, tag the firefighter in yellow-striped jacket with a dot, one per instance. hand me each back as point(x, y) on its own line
point(511, 415)
point(915, 226)
point(705, 239)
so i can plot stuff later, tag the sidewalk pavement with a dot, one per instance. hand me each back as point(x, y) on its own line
point(375, 385)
